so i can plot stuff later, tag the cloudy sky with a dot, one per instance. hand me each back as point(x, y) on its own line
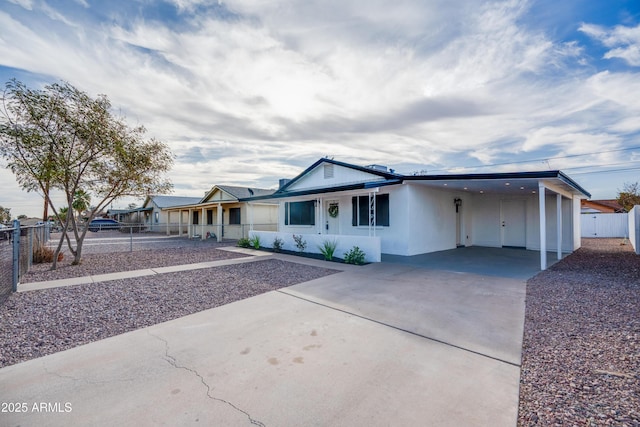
point(249, 91)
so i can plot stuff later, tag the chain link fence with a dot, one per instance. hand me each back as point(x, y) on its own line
point(18, 248)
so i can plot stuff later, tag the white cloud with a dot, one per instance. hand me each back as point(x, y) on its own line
point(624, 41)
point(27, 4)
point(260, 95)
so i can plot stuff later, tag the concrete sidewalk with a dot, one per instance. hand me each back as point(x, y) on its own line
point(375, 345)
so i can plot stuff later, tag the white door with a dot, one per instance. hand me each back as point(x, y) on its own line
point(332, 215)
point(514, 224)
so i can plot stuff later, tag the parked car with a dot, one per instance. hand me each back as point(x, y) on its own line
point(104, 224)
point(53, 226)
point(4, 234)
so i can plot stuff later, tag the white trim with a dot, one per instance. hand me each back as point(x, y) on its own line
point(543, 226)
point(559, 226)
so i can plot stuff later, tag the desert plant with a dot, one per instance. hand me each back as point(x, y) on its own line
point(244, 242)
point(42, 254)
point(328, 248)
point(255, 241)
point(278, 243)
point(354, 256)
point(301, 244)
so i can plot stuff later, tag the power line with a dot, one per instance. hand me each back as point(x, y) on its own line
point(545, 159)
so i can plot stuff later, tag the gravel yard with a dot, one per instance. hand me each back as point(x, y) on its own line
point(37, 323)
point(581, 350)
point(146, 255)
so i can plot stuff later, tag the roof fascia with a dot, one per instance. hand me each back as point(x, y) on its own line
point(386, 175)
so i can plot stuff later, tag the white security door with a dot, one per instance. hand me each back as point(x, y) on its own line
point(514, 223)
point(331, 214)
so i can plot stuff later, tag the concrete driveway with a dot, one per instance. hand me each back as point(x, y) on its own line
point(383, 344)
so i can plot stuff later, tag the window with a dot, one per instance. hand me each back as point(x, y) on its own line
point(156, 217)
point(209, 216)
point(300, 213)
point(234, 216)
point(360, 210)
point(195, 217)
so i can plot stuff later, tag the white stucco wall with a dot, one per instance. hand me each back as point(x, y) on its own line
point(533, 226)
point(486, 222)
point(432, 219)
point(394, 238)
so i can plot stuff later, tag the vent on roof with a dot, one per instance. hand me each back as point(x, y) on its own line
point(377, 167)
point(328, 170)
point(283, 182)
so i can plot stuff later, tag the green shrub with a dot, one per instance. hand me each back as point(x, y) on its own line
point(328, 248)
point(244, 242)
point(278, 243)
point(255, 241)
point(354, 256)
point(301, 244)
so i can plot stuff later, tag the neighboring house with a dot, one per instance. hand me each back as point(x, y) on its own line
point(384, 212)
point(156, 216)
point(152, 214)
point(601, 206)
point(221, 214)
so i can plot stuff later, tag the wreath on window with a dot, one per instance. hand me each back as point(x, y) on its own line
point(333, 210)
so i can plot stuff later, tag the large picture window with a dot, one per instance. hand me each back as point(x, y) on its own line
point(300, 213)
point(360, 210)
point(234, 216)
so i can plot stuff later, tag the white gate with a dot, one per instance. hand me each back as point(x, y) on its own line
point(604, 225)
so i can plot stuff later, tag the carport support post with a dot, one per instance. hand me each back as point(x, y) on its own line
point(559, 220)
point(543, 227)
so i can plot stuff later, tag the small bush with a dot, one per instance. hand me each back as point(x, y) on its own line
point(278, 243)
point(42, 255)
point(354, 256)
point(301, 244)
point(255, 241)
point(244, 242)
point(328, 248)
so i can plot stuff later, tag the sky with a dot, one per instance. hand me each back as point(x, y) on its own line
point(246, 92)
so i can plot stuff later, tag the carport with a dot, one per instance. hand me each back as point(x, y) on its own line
point(538, 211)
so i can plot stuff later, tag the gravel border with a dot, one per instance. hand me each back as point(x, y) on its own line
point(125, 260)
point(36, 323)
point(581, 348)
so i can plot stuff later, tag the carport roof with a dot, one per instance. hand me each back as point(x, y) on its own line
point(504, 183)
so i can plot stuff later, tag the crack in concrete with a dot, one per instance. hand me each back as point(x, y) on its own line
point(83, 380)
point(173, 362)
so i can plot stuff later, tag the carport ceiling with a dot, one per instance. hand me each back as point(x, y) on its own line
point(512, 184)
point(501, 186)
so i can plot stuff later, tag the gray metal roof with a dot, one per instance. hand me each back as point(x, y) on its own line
point(170, 201)
point(244, 192)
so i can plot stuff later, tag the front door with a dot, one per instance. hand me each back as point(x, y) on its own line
point(332, 214)
point(514, 224)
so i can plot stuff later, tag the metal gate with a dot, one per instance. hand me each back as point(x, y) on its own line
point(604, 225)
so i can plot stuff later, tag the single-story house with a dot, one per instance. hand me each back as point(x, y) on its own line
point(601, 206)
point(381, 211)
point(221, 213)
point(152, 214)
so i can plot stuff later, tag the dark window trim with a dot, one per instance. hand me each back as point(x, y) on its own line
point(360, 210)
point(304, 213)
